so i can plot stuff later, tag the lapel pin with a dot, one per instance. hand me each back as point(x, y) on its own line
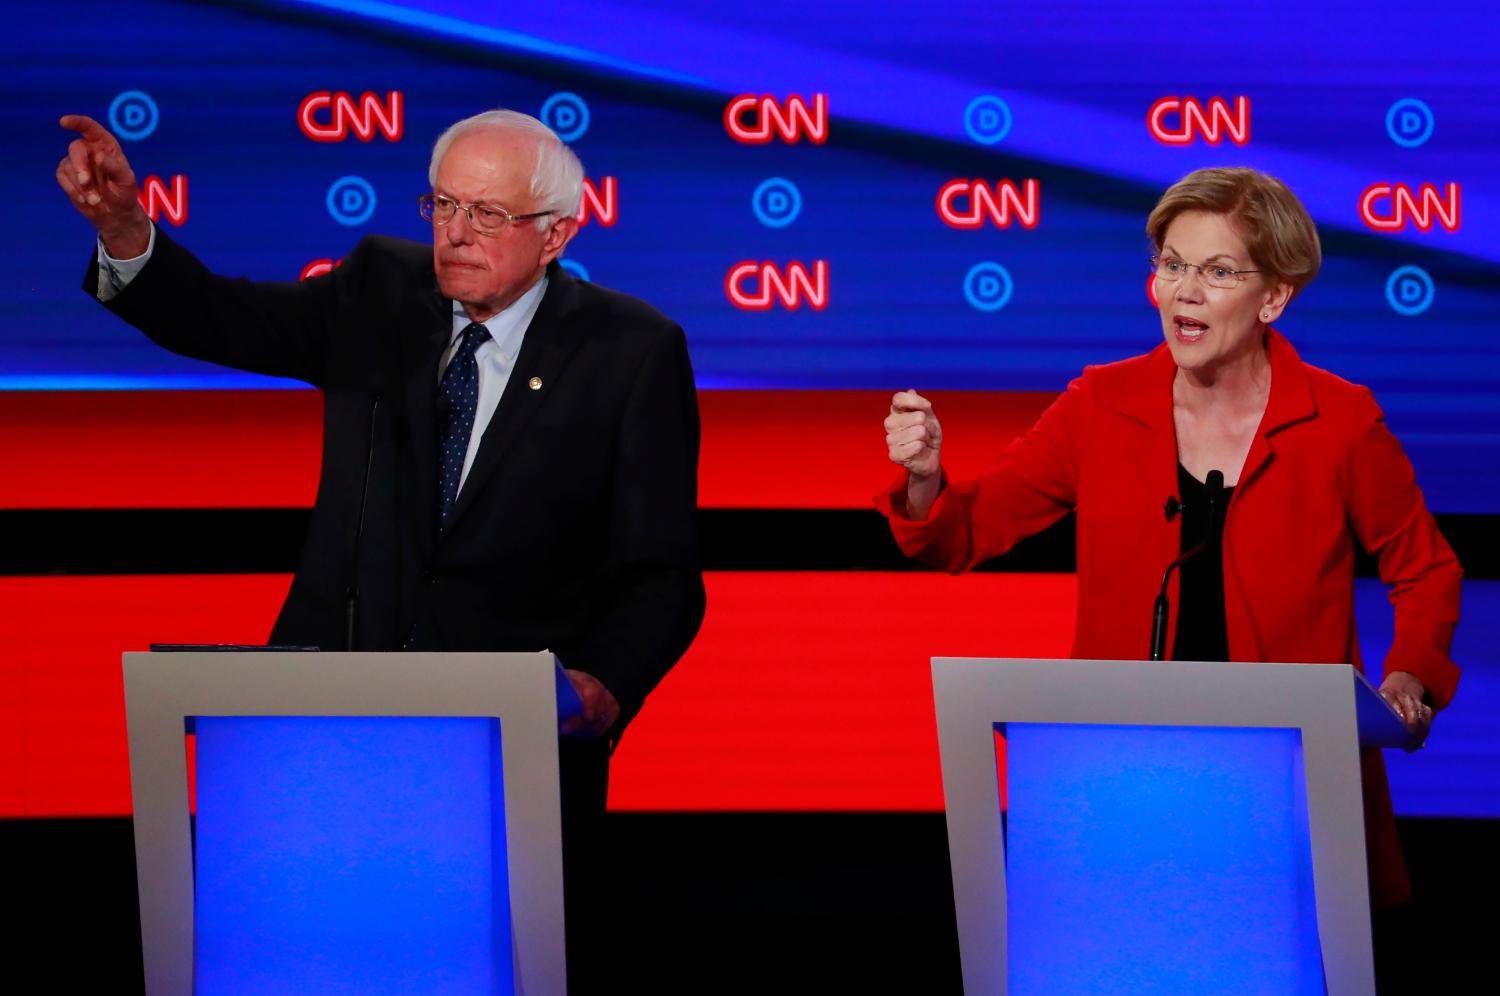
point(535, 383)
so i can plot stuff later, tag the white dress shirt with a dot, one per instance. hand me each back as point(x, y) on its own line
point(496, 359)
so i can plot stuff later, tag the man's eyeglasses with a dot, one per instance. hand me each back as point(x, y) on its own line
point(1171, 269)
point(486, 219)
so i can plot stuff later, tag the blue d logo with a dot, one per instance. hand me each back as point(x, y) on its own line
point(351, 200)
point(988, 287)
point(1409, 290)
point(987, 119)
point(776, 202)
point(133, 115)
point(1409, 122)
point(567, 114)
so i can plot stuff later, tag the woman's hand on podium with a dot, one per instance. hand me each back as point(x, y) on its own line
point(98, 179)
point(600, 709)
point(914, 440)
point(1404, 692)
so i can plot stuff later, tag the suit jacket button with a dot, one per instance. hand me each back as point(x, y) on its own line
point(535, 383)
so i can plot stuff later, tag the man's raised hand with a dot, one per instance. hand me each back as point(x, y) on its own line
point(97, 178)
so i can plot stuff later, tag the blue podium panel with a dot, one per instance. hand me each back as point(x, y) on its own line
point(1146, 859)
point(350, 855)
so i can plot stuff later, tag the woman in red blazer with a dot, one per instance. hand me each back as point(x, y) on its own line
point(1311, 467)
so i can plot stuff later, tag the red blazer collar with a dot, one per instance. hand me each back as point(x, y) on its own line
point(1147, 398)
point(1291, 398)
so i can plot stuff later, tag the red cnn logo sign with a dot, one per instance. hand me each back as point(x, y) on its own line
point(158, 200)
point(751, 120)
point(1401, 204)
point(756, 286)
point(318, 267)
point(600, 202)
point(344, 114)
point(1194, 121)
point(1001, 206)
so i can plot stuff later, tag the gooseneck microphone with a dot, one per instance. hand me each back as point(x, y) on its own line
point(1214, 493)
point(351, 608)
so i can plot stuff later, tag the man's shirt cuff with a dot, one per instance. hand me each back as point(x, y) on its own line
point(116, 274)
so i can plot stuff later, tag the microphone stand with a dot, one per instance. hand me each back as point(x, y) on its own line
point(1162, 609)
point(351, 608)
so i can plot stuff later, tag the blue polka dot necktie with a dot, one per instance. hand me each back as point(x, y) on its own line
point(459, 394)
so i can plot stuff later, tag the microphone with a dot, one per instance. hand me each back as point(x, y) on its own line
point(351, 608)
point(1214, 490)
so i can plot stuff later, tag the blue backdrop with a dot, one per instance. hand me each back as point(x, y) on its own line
point(1341, 97)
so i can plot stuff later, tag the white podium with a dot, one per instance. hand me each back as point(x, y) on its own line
point(370, 822)
point(1172, 827)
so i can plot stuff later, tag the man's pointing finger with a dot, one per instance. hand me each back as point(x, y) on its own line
point(86, 126)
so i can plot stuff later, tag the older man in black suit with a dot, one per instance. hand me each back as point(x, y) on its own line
point(510, 455)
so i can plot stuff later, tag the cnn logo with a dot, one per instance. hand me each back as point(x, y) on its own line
point(601, 202)
point(161, 200)
point(320, 267)
point(757, 286)
point(1387, 207)
point(972, 203)
point(754, 120)
point(1175, 121)
point(326, 116)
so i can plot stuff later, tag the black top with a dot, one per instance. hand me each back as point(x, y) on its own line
point(1202, 634)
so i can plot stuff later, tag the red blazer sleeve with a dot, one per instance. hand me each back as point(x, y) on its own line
point(1032, 485)
point(1390, 518)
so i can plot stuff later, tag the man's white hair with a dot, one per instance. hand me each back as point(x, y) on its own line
point(556, 177)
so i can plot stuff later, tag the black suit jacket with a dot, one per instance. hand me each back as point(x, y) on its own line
point(576, 528)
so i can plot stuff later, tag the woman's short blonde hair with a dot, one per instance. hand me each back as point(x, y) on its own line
point(1278, 231)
